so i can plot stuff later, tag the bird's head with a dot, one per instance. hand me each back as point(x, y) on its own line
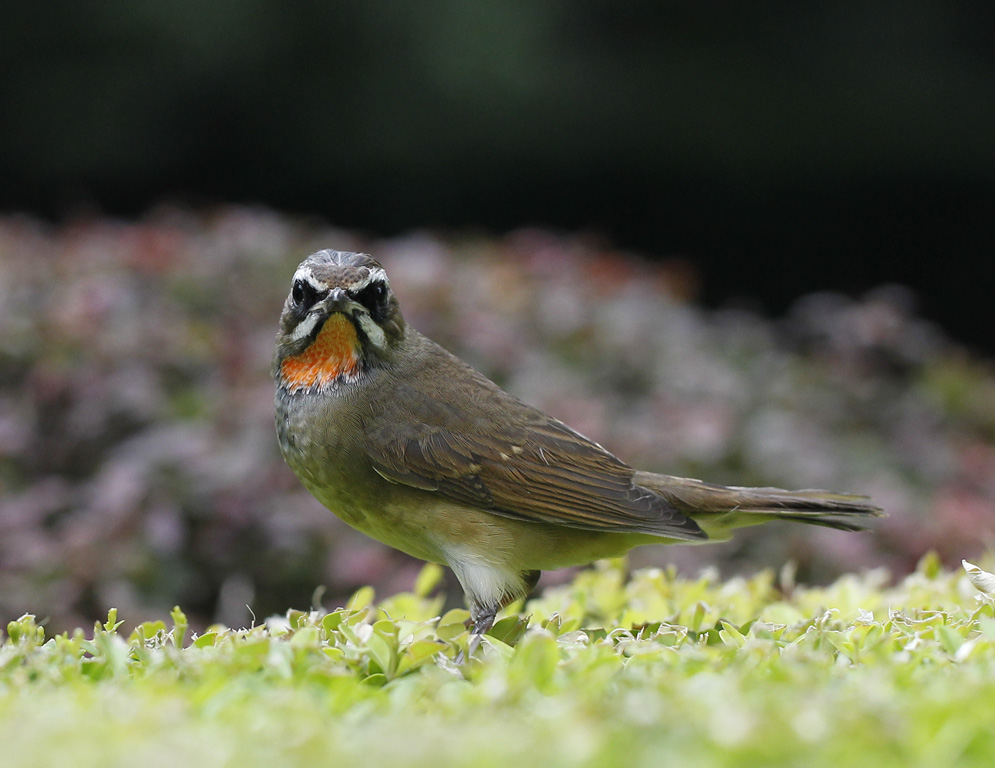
point(339, 320)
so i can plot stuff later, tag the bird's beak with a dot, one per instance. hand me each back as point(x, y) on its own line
point(338, 301)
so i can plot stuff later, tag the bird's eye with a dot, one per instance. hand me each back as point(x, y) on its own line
point(372, 297)
point(302, 294)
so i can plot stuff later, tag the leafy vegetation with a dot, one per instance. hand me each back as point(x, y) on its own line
point(604, 671)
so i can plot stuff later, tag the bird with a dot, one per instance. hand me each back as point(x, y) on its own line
point(413, 447)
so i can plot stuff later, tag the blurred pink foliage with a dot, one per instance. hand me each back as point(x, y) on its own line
point(138, 464)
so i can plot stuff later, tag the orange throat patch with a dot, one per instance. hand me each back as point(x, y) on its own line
point(331, 357)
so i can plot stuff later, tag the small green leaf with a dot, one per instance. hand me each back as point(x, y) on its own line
point(206, 640)
point(509, 630)
point(418, 653)
point(336, 654)
point(450, 632)
point(386, 628)
point(428, 579)
point(331, 621)
point(180, 626)
point(306, 637)
point(26, 630)
point(537, 657)
point(146, 631)
point(383, 653)
point(112, 623)
point(456, 615)
point(296, 618)
point(452, 624)
point(930, 565)
point(698, 616)
point(987, 627)
point(730, 635)
point(949, 639)
point(361, 598)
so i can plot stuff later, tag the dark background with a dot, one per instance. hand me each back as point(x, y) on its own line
point(778, 147)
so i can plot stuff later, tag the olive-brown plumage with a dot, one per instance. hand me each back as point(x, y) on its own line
point(412, 446)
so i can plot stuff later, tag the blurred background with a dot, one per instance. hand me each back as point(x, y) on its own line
point(751, 243)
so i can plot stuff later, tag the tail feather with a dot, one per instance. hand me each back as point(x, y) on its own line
point(719, 508)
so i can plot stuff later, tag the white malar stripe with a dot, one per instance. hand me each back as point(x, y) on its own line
point(373, 331)
point(304, 327)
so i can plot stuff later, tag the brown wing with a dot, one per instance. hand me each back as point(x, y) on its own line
point(528, 467)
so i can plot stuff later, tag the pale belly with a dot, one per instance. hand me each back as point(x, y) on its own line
point(436, 530)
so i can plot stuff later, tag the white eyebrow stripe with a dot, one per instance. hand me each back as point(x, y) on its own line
point(379, 273)
point(304, 273)
point(376, 274)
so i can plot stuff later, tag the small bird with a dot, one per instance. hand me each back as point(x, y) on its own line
point(410, 445)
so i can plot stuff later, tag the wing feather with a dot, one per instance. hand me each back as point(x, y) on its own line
point(531, 467)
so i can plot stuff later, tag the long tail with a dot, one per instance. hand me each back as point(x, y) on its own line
point(719, 508)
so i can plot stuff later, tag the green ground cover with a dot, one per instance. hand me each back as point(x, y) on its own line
point(609, 670)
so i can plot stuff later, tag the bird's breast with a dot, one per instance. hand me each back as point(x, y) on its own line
point(333, 356)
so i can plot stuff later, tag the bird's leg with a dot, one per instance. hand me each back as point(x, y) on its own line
point(482, 619)
point(488, 590)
